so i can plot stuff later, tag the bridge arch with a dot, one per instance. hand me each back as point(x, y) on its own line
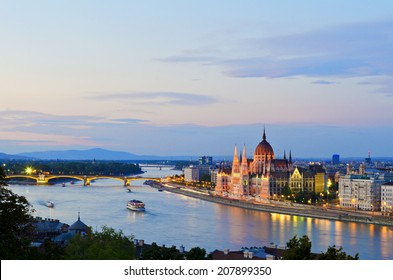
point(79, 178)
point(10, 177)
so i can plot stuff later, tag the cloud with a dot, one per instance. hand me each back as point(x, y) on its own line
point(186, 58)
point(350, 50)
point(159, 98)
point(29, 128)
point(323, 82)
point(15, 119)
point(128, 120)
point(381, 85)
point(347, 50)
point(22, 138)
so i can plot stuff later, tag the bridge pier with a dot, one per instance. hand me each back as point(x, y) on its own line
point(86, 181)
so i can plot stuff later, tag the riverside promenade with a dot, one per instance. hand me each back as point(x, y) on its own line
point(282, 207)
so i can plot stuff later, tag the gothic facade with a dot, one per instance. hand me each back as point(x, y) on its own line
point(261, 177)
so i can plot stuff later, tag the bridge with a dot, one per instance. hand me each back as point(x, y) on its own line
point(86, 179)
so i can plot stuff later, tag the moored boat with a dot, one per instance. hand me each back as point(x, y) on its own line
point(136, 205)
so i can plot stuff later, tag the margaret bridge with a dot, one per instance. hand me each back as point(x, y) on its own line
point(86, 179)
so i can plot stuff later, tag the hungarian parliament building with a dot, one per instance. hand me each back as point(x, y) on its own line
point(265, 177)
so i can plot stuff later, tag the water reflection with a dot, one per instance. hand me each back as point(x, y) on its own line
point(173, 219)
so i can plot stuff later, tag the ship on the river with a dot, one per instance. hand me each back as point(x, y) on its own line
point(136, 205)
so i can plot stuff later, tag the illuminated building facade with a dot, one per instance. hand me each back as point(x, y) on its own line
point(261, 177)
point(387, 199)
point(360, 192)
point(265, 177)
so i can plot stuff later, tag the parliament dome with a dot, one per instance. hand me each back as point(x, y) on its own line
point(264, 147)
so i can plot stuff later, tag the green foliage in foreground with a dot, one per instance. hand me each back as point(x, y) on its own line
point(15, 223)
point(105, 245)
point(300, 249)
point(334, 253)
point(155, 252)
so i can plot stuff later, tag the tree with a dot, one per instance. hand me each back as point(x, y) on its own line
point(105, 245)
point(47, 251)
point(334, 253)
point(155, 252)
point(196, 253)
point(298, 249)
point(15, 223)
point(286, 191)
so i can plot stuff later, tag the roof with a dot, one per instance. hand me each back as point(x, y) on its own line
point(280, 163)
point(264, 148)
point(48, 225)
point(78, 225)
point(233, 255)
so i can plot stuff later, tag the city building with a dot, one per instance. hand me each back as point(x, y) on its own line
point(360, 192)
point(387, 199)
point(191, 173)
point(260, 177)
point(205, 160)
point(266, 177)
point(336, 159)
point(196, 173)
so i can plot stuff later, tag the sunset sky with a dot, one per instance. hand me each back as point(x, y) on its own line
point(197, 77)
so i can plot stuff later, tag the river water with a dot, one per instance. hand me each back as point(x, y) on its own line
point(173, 219)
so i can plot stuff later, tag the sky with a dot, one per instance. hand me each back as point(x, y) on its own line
point(197, 77)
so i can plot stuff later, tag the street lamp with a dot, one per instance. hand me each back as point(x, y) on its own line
point(29, 170)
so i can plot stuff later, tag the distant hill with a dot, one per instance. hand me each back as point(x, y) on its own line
point(10, 157)
point(98, 154)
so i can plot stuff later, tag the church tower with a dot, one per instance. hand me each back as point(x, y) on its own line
point(236, 184)
point(235, 162)
point(244, 175)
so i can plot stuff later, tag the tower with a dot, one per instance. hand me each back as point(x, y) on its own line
point(236, 184)
point(244, 175)
point(263, 156)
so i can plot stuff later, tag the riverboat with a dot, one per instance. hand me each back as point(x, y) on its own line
point(136, 205)
point(49, 204)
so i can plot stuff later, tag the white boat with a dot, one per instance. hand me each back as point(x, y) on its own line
point(136, 205)
point(49, 204)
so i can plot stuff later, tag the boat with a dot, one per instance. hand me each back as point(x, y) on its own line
point(136, 205)
point(160, 190)
point(63, 185)
point(49, 204)
point(72, 182)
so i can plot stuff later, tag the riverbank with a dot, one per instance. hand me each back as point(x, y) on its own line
point(282, 208)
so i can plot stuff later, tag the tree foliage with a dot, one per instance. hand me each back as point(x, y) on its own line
point(15, 223)
point(298, 249)
point(108, 244)
point(155, 252)
point(334, 253)
point(112, 168)
point(196, 253)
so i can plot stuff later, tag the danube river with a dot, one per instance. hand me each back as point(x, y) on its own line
point(174, 219)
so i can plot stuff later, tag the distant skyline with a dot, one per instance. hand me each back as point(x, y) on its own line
point(197, 77)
